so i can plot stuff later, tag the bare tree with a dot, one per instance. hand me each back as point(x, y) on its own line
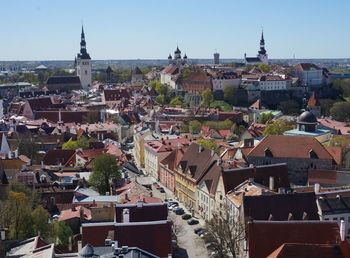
point(224, 234)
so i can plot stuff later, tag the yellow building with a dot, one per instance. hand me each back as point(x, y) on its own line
point(192, 167)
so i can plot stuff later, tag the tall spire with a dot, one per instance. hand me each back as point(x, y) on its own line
point(82, 32)
point(262, 40)
point(262, 50)
point(83, 52)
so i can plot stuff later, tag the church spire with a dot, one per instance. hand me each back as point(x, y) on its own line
point(83, 52)
point(262, 50)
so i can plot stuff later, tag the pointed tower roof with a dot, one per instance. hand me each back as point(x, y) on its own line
point(83, 52)
point(185, 56)
point(177, 51)
point(170, 57)
point(313, 100)
point(256, 105)
point(262, 40)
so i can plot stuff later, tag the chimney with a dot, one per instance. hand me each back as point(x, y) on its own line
point(317, 188)
point(271, 183)
point(70, 244)
point(16, 153)
point(218, 162)
point(79, 245)
point(126, 215)
point(212, 152)
point(59, 116)
point(9, 155)
point(342, 230)
point(200, 148)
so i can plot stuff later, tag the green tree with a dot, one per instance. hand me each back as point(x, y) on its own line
point(195, 126)
point(343, 86)
point(105, 169)
point(222, 105)
point(339, 141)
point(341, 111)
point(207, 97)
point(176, 101)
point(265, 68)
point(239, 130)
point(289, 107)
point(61, 233)
point(326, 105)
point(82, 143)
point(40, 218)
point(278, 127)
point(160, 99)
point(208, 144)
point(266, 117)
point(16, 215)
point(229, 94)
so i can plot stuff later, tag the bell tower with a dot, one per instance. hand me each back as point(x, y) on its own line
point(83, 63)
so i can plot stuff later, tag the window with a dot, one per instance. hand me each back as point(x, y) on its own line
point(335, 218)
point(326, 219)
point(342, 218)
point(348, 231)
point(349, 219)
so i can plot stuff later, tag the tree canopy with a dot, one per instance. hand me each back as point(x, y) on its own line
point(176, 101)
point(222, 105)
point(277, 127)
point(341, 111)
point(195, 126)
point(265, 68)
point(289, 107)
point(207, 97)
point(105, 169)
point(82, 142)
point(265, 117)
point(208, 144)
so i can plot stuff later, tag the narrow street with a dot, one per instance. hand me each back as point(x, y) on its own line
point(190, 245)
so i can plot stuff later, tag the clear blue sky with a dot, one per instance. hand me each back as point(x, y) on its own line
point(147, 29)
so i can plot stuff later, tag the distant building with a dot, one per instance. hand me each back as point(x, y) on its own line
point(307, 126)
point(83, 63)
point(261, 58)
point(63, 83)
point(136, 75)
point(310, 75)
point(177, 60)
point(216, 58)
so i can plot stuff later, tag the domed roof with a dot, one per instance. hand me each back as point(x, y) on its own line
point(86, 251)
point(307, 118)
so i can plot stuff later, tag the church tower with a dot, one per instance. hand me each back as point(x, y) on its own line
point(83, 63)
point(262, 54)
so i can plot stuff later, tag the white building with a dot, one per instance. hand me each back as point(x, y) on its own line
point(274, 82)
point(226, 79)
point(309, 74)
point(335, 209)
point(169, 75)
point(83, 63)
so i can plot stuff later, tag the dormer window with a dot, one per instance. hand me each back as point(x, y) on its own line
point(268, 153)
point(313, 154)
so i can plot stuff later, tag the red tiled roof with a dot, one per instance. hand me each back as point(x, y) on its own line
point(56, 157)
point(306, 67)
point(313, 101)
point(336, 153)
point(70, 214)
point(301, 250)
point(283, 146)
point(267, 236)
point(145, 199)
point(257, 104)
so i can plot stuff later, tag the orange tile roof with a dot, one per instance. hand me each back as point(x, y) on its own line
point(284, 146)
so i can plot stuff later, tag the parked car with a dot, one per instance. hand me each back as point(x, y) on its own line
point(168, 200)
point(173, 204)
point(192, 222)
point(198, 231)
point(161, 189)
point(186, 216)
point(179, 211)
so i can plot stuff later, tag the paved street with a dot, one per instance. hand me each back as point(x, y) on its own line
point(190, 245)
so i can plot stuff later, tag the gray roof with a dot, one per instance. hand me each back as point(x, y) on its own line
point(338, 205)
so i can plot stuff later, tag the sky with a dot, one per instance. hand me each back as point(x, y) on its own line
point(151, 29)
